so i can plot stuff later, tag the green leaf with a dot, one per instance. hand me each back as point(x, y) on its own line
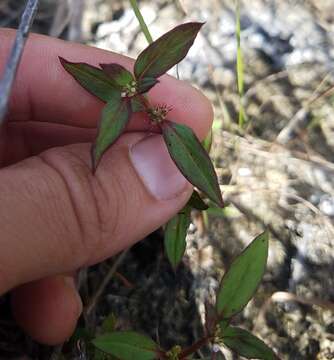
point(127, 345)
point(166, 51)
point(196, 202)
point(146, 84)
point(92, 79)
point(240, 64)
point(246, 344)
point(115, 116)
point(100, 355)
point(243, 277)
point(207, 142)
point(175, 236)
point(118, 73)
point(191, 159)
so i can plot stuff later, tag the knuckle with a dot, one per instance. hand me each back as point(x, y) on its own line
point(89, 207)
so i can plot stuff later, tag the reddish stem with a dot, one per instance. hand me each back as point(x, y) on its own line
point(195, 346)
point(145, 102)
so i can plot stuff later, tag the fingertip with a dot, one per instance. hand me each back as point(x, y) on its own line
point(189, 105)
point(47, 309)
point(74, 106)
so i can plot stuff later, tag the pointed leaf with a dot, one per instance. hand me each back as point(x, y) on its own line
point(243, 277)
point(91, 78)
point(246, 344)
point(191, 159)
point(196, 202)
point(146, 84)
point(115, 116)
point(118, 73)
point(127, 345)
point(175, 236)
point(166, 51)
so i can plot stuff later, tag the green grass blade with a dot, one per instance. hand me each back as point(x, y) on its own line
point(240, 68)
point(141, 21)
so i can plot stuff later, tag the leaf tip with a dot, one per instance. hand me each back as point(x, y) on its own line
point(66, 64)
point(63, 61)
point(264, 237)
point(198, 24)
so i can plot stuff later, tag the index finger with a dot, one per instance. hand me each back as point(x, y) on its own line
point(44, 92)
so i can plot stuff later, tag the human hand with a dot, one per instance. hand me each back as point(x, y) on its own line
point(55, 216)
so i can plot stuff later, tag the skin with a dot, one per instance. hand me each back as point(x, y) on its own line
point(55, 216)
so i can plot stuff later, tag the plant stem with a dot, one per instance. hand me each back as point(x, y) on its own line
point(194, 347)
point(7, 80)
point(91, 305)
point(141, 21)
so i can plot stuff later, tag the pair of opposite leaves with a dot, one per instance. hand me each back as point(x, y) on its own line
point(236, 289)
point(124, 94)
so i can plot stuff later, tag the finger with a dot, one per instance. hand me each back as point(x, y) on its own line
point(56, 217)
point(47, 309)
point(57, 98)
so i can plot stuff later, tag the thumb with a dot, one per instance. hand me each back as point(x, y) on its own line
point(55, 216)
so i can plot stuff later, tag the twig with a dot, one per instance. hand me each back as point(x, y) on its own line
point(283, 296)
point(7, 80)
point(297, 123)
point(180, 7)
point(301, 119)
point(75, 29)
point(141, 21)
point(94, 300)
point(195, 347)
point(61, 18)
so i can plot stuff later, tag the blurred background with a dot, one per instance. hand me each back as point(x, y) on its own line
point(276, 171)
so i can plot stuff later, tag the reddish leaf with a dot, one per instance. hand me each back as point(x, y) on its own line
point(191, 159)
point(119, 74)
point(166, 51)
point(91, 78)
point(115, 116)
